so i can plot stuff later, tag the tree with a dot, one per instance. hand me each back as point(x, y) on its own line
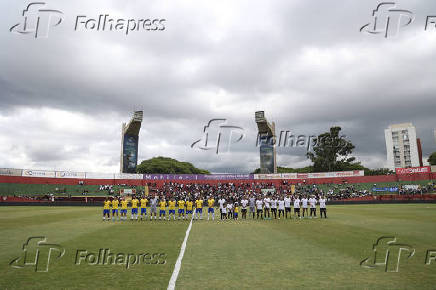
point(167, 165)
point(432, 159)
point(332, 152)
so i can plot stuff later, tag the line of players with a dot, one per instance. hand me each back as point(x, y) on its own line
point(270, 206)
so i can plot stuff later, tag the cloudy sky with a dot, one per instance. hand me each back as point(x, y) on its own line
point(305, 63)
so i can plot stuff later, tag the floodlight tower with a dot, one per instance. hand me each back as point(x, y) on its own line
point(266, 137)
point(129, 143)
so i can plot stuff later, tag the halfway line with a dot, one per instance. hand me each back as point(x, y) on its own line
point(172, 283)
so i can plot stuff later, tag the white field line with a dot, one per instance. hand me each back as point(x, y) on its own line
point(177, 266)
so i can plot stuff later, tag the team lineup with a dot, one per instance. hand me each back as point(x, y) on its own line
point(258, 207)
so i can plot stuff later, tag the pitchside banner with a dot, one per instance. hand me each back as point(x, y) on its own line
point(94, 175)
point(38, 173)
point(385, 189)
point(413, 170)
point(197, 176)
point(70, 174)
point(288, 175)
point(310, 175)
point(128, 176)
point(11, 172)
point(275, 176)
point(225, 176)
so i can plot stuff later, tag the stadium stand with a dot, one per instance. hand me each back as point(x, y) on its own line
point(339, 188)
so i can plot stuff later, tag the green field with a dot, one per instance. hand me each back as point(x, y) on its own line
point(273, 254)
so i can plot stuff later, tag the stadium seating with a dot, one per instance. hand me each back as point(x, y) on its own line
point(29, 186)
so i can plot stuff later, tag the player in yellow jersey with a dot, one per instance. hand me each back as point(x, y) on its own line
point(134, 212)
point(124, 204)
point(236, 211)
point(115, 203)
point(144, 201)
point(189, 206)
point(162, 208)
point(106, 209)
point(172, 209)
point(211, 210)
point(181, 205)
point(199, 208)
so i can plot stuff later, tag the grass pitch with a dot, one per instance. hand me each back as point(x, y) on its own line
point(274, 254)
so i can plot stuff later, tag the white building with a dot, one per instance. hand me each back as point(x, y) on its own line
point(401, 146)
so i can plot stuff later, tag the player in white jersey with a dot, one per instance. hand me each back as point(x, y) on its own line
point(312, 204)
point(322, 206)
point(229, 210)
point(281, 205)
point(287, 201)
point(224, 211)
point(153, 207)
point(304, 203)
point(297, 206)
point(274, 207)
point(221, 202)
point(259, 207)
point(252, 201)
point(244, 203)
point(267, 206)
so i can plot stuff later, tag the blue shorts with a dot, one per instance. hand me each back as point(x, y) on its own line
point(161, 212)
point(143, 210)
point(172, 211)
point(134, 211)
point(181, 210)
point(211, 209)
point(106, 211)
point(124, 211)
point(188, 211)
point(200, 210)
point(114, 211)
point(235, 214)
